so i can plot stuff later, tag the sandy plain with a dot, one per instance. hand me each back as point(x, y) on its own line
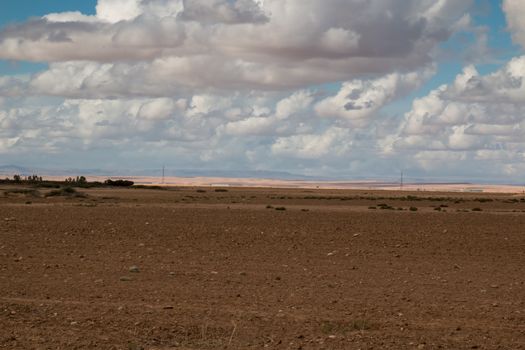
point(254, 268)
point(172, 181)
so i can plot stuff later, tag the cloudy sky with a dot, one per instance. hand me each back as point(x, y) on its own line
point(343, 88)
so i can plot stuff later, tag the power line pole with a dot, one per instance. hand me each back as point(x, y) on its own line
point(401, 181)
point(163, 171)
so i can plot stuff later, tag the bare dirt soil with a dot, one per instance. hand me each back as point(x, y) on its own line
point(191, 268)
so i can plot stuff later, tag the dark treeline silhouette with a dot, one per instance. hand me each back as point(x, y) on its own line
point(119, 183)
point(78, 181)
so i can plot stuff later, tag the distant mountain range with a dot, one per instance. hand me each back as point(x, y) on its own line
point(250, 174)
point(10, 170)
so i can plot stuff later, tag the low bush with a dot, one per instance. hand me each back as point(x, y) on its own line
point(66, 192)
point(119, 183)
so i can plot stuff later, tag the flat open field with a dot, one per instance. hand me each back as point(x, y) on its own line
point(231, 269)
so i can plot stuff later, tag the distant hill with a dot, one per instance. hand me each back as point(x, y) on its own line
point(255, 174)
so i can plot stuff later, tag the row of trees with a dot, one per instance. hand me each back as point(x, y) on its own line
point(27, 179)
point(79, 180)
point(71, 181)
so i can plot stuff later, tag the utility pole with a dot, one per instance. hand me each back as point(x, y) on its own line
point(401, 181)
point(163, 171)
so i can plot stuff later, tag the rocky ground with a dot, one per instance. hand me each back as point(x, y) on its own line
point(191, 268)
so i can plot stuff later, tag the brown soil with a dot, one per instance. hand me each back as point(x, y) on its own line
point(226, 270)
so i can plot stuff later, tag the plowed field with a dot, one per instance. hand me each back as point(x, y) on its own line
point(190, 268)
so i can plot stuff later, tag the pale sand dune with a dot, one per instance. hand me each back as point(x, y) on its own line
point(268, 183)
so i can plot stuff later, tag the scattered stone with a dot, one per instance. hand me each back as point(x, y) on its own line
point(168, 307)
point(126, 279)
point(134, 269)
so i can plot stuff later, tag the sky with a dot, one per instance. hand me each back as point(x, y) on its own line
point(326, 88)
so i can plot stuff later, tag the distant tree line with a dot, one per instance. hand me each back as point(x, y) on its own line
point(119, 183)
point(32, 179)
point(78, 181)
point(81, 180)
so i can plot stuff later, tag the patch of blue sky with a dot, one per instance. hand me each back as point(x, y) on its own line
point(13, 11)
point(488, 14)
point(17, 11)
point(20, 67)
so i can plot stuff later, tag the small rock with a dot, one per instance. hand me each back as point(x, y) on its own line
point(126, 279)
point(134, 269)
